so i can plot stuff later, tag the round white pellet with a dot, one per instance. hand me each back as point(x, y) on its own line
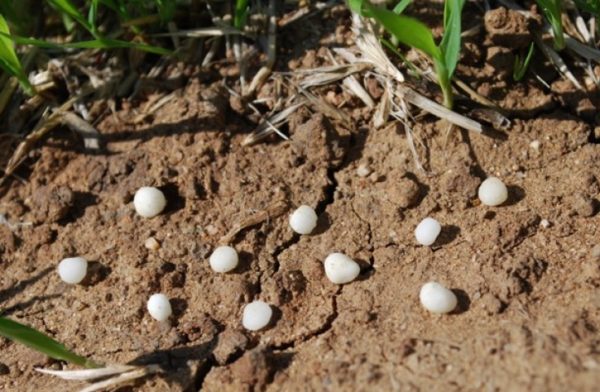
point(340, 268)
point(159, 307)
point(303, 220)
point(72, 270)
point(223, 259)
point(257, 315)
point(436, 298)
point(493, 192)
point(427, 231)
point(149, 201)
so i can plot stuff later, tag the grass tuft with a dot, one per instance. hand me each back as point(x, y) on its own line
point(416, 34)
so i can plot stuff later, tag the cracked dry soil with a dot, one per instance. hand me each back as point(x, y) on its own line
point(528, 314)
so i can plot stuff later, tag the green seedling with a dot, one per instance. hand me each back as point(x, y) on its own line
point(522, 63)
point(552, 10)
point(44, 344)
point(414, 33)
point(9, 61)
point(591, 6)
point(241, 14)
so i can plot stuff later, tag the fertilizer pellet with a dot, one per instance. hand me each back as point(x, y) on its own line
point(223, 259)
point(72, 270)
point(303, 220)
point(257, 315)
point(149, 201)
point(427, 231)
point(493, 192)
point(340, 268)
point(159, 307)
point(436, 298)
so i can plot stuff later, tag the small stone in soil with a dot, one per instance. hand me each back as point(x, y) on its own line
point(437, 299)
point(363, 170)
point(545, 223)
point(427, 231)
point(149, 201)
point(596, 251)
point(340, 268)
point(151, 244)
point(256, 315)
point(303, 220)
point(223, 259)
point(72, 270)
point(159, 307)
point(492, 192)
point(535, 145)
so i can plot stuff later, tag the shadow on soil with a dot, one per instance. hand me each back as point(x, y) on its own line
point(22, 285)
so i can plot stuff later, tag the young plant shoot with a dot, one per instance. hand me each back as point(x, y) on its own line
point(522, 63)
point(552, 10)
point(40, 342)
point(415, 34)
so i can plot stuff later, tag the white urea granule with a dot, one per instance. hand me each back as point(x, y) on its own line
point(257, 315)
point(436, 298)
point(149, 201)
point(223, 259)
point(303, 220)
point(427, 231)
point(72, 270)
point(492, 192)
point(159, 307)
point(340, 268)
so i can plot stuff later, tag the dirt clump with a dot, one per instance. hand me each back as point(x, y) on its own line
point(507, 28)
point(51, 204)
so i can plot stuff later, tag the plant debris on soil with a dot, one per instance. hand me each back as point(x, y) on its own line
point(526, 274)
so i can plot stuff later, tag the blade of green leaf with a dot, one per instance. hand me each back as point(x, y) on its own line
point(241, 12)
point(407, 30)
point(591, 6)
point(166, 9)
point(356, 6)
point(92, 15)
point(66, 7)
point(521, 65)
point(38, 341)
point(450, 45)
point(9, 61)
point(401, 6)
point(103, 43)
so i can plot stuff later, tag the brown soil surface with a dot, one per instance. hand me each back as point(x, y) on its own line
point(529, 304)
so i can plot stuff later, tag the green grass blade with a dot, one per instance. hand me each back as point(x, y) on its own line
point(407, 30)
point(7, 48)
point(9, 61)
point(521, 65)
point(450, 45)
point(92, 16)
point(356, 6)
point(103, 43)
point(241, 13)
point(68, 8)
point(552, 9)
point(401, 6)
point(38, 341)
point(166, 9)
point(591, 6)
